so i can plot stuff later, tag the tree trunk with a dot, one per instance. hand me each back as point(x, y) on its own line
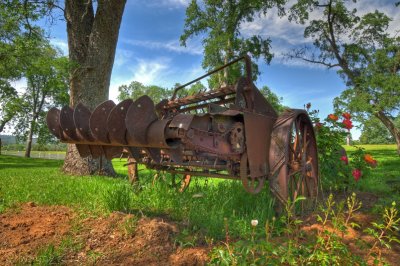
point(391, 127)
point(2, 124)
point(92, 40)
point(28, 146)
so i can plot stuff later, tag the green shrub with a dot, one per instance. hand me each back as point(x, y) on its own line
point(339, 170)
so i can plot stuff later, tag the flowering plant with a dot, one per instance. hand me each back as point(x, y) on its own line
point(338, 170)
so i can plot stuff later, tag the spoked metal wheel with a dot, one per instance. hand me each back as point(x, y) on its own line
point(293, 159)
point(250, 184)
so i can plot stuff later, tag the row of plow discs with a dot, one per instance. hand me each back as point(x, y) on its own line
point(230, 132)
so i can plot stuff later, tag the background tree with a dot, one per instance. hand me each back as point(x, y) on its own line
point(10, 105)
point(92, 32)
point(137, 89)
point(47, 85)
point(273, 99)
point(365, 52)
point(374, 132)
point(18, 42)
point(218, 24)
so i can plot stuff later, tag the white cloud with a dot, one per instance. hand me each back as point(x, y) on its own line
point(271, 25)
point(286, 35)
point(159, 71)
point(122, 56)
point(193, 47)
point(148, 72)
point(61, 44)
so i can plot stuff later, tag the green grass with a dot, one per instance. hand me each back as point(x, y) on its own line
point(39, 180)
point(202, 208)
point(33, 152)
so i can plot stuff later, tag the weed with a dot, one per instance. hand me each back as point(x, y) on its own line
point(119, 198)
point(186, 238)
point(93, 257)
point(325, 247)
point(48, 256)
point(384, 233)
point(129, 225)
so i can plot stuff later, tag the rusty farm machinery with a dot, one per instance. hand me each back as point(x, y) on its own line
point(230, 132)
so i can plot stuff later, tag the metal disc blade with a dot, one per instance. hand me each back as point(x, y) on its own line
point(116, 122)
point(139, 117)
point(53, 122)
point(98, 121)
point(81, 119)
point(67, 123)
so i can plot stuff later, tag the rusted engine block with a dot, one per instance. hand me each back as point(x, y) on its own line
point(229, 132)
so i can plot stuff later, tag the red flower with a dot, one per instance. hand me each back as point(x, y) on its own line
point(348, 124)
point(346, 116)
point(308, 106)
point(344, 159)
point(333, 117)
point(356, 174)
point(318, 125)
point(370, 160)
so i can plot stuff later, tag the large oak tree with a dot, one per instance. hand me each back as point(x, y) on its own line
point(92, 40)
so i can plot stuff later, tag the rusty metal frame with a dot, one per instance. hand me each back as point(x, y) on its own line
point(231, 132)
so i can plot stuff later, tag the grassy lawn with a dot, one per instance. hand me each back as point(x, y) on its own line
point(203, 210)
point(203, 207)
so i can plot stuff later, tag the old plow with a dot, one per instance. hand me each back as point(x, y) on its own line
point(229, 132)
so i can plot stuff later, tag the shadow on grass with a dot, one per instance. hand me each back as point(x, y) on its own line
point(8, 161)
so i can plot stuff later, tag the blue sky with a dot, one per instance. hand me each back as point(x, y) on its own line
point(148, 51)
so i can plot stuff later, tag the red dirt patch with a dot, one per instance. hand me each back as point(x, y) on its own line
point(118, 239)
point(121, 239)
point(24, 230)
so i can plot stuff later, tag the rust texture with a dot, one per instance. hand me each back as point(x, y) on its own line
point(230, 132)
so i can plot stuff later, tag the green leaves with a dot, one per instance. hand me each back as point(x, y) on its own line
point(137, 89)
point(366, 54)
point(218, 24)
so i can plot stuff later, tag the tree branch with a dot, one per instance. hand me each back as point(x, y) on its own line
point(300, 54)
point(332, 40)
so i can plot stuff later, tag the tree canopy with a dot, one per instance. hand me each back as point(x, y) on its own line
point(218, 24)
point(365, 52)
point(136, 89)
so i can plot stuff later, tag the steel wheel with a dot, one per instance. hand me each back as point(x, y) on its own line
point(293, 159)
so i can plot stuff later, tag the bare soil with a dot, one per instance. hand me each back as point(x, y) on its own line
point(25, 229)
point(125, 239)
point(118, 239)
